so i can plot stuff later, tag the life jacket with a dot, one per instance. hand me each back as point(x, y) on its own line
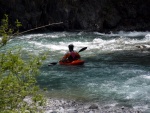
point(71, 56)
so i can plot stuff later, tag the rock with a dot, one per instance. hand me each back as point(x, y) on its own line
point(144, 47)
point(88, 15)
point(70, 106)
point(93, 106)
point(72, 110)
point(50, 111)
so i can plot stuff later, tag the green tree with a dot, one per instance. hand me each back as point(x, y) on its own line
point(18, 76)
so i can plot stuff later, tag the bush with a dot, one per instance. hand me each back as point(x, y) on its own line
point(17, 76)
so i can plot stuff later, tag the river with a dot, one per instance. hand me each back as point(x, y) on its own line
point(115, 72)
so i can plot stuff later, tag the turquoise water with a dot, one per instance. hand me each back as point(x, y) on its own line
point(115, 72)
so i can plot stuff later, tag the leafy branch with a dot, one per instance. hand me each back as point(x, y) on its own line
point(18, 76)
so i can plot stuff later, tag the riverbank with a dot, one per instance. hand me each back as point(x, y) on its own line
point(69, 106)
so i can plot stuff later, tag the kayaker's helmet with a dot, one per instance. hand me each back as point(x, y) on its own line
point(71, 46)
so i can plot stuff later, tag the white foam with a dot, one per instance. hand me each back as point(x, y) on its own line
point(112, 44)
point(98, 40)
point(147, 37)
point(131, 34)
point(98, 44)
point(30, 36)
point(141, 108)
point(146, 76)
point(48, 46)
point(55, 35)
point(119, 43)
point(132, 95)
point(98, 33)
point(92, 84)
point(105, 45)
point(123, 33)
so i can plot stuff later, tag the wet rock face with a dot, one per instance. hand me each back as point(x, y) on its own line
point(90, 15)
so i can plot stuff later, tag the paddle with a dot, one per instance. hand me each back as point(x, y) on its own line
point(54, 63)
point(82, 49)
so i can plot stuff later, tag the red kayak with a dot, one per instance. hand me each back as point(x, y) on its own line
point(75, 62)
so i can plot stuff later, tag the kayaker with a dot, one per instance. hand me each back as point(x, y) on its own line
point(71, 55)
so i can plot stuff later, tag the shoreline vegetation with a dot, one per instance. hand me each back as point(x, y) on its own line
point(17, 74)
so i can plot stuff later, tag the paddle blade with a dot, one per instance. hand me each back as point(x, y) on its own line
point(53, 63)
point(82, 49)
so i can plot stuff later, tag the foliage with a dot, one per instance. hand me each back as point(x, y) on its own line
point(18, 77)
point(6, 32)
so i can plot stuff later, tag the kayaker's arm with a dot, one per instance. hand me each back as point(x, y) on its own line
point(65, 57)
